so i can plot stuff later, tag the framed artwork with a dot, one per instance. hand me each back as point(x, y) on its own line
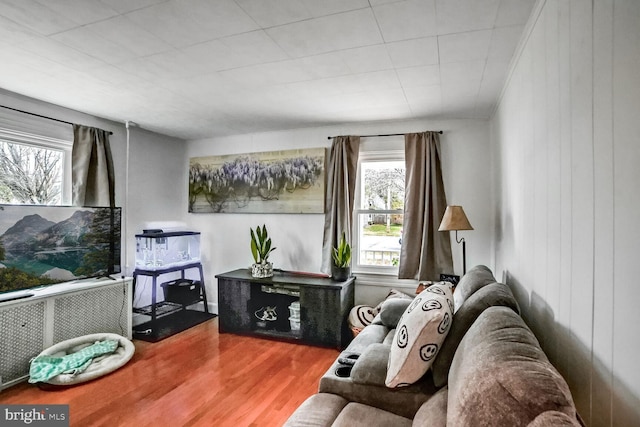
point(290, 181)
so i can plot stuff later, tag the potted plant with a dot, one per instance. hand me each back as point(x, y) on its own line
point(341, 266)
point(260, 249)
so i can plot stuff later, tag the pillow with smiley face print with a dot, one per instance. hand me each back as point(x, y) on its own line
point(419, 335)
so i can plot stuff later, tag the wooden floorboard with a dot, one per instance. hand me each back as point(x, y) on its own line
point(195, 378)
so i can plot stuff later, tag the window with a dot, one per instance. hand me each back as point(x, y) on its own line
point(379, 211)
point(34, 169)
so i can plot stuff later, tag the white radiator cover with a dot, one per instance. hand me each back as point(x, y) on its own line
point(57, 313)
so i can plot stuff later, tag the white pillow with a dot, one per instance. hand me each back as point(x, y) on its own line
point(419, 335)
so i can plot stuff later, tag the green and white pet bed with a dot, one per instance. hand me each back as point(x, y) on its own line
point(81, 359)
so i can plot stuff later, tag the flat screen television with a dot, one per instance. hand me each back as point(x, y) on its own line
point(44, 245)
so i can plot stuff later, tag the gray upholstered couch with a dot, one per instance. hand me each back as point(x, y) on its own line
point(490, 370)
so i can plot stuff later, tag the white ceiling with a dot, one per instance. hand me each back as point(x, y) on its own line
point(203, 68)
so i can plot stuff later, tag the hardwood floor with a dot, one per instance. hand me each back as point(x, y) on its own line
point(195, 378)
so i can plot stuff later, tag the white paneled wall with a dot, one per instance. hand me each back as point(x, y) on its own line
point(565, 140)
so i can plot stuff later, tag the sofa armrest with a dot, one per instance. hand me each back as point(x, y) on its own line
point(371, 366)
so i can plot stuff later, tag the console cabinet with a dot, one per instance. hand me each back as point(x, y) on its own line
point(263, 307)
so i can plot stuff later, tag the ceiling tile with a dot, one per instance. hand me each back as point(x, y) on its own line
point(413, 53)
point(89, 42)
point(271, 13)
point(81, 11)
point(186, 22)
point(456, 16)
point(11, 33)
point(514, 12)
point(330, 7)
point(235, 51)
point(321, 35)
point(368, 58)
point(61, 53)
point(412, 77)
point(35, 16)
point(122, 31)
point(325, 65)
point(425, 100)
point(464, 46)
point(267, 74)
point(457, 73)
point(123, 6)
point(203, 68)
point(409, 19)
point(504, 41)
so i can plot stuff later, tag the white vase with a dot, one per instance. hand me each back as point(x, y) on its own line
point(262, 270)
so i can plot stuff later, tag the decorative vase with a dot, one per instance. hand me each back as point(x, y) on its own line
point(262, 270)
point(340, 274)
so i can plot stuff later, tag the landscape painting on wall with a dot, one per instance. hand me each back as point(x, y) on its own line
point(290, 181)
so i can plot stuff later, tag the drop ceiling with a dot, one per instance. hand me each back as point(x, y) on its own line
point(204, 68)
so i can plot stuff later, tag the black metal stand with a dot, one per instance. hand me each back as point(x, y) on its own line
point(177, 317)
point(464, 253)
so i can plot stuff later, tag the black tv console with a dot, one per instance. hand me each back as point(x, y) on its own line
point(324, 307)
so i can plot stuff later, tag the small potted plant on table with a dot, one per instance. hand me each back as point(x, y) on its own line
point(260, 249)
point(341, 266)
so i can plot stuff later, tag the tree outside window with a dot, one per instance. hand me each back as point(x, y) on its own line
point(30, 174)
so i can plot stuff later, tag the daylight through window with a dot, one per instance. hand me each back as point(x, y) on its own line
point(31, 174)
point(380, 213)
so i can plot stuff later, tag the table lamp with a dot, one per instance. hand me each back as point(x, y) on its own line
point(454, 219)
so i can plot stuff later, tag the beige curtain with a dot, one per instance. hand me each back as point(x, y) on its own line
point(92, 167)
point(425, 252)
point(339, 198)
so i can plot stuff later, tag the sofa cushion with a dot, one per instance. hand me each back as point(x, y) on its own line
point(319, 410)
point(554, 418)
point(500, 376)
point(391, 311)
point(357, 414)
point(419, 335)
point(433, 412)
point(474, 279)
point(488, 296)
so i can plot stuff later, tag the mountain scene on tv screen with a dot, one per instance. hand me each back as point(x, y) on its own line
point(36, 251)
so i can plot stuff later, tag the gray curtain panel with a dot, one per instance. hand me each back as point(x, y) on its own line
point(92, 167)
point(340, 193)
point(425, 252)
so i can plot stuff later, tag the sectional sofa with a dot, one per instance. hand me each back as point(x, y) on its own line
point(488, 371)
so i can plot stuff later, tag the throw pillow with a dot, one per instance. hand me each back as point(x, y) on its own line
point(392, 310)
point(490, 295)
point(419, 335)
point(360, 316)
point(394, 293)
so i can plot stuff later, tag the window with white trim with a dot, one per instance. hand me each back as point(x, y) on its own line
point(378, 213)
point(34, 169)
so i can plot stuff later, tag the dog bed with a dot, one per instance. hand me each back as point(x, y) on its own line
point(94, 367)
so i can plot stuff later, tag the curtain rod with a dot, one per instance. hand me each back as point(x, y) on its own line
point(388, 134)
point(41, 116)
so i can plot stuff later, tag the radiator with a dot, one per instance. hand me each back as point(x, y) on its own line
point(58, 313)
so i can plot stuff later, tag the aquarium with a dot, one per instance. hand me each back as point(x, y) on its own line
point(44, 245)
point(161, 250)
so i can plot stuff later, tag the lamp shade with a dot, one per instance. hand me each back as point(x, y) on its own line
point(454, 219)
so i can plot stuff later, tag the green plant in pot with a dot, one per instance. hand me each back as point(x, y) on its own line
point(261, 249)
point(341, 266)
